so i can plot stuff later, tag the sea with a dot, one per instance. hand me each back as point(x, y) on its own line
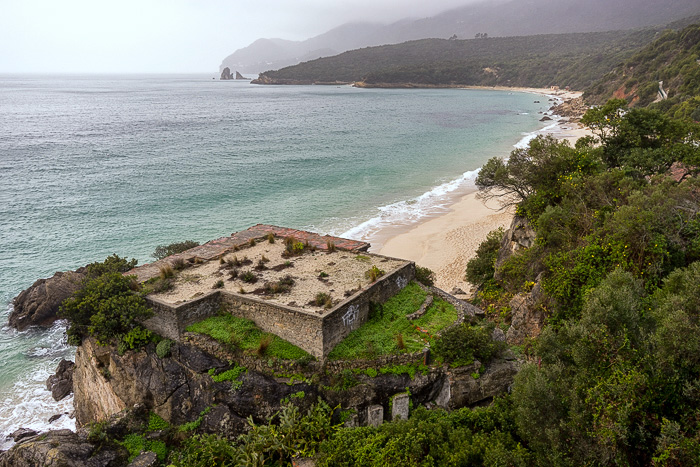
point(92, 165)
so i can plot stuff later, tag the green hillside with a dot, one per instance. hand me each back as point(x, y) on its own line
point(575, 60)
point(672, 58)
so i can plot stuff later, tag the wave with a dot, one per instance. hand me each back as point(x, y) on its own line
point(410, 211)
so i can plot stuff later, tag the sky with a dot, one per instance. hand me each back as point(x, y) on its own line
point(170, 36)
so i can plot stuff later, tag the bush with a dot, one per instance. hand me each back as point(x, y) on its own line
point(461, 344)
point(163, 348)
point(163, 251)
point(105, 307)
point(374, 273)
point(425, 276)
point(481, 268)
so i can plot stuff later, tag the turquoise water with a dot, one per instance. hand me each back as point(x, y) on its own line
point(95, 165)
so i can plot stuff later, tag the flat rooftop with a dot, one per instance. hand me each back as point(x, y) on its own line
point(248, 263)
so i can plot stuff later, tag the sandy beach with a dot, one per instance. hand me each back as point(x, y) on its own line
point(446, 243)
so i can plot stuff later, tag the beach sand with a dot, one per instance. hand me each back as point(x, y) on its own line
point(446, 243)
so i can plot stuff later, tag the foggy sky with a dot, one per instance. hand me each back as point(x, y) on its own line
point(170, 36)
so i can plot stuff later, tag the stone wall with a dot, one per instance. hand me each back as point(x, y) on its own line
point(315, 333)
point(171, 320)
point(301, 328)
point(353, 313)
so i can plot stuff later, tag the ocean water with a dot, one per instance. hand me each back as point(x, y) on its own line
point(95, 165)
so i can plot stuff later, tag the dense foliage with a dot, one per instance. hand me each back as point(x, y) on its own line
point(671, 58)
point(107, 306)
point(575, 60)
point(163, 251)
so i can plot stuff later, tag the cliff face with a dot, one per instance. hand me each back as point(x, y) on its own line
point(179, 387)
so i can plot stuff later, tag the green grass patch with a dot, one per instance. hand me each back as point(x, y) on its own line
point(379, 336)
point(244, 334)
point(410, 370)
point(232, 374)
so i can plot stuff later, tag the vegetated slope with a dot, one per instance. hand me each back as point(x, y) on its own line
point(574, 60)
point(672, 58)
point(496, 18)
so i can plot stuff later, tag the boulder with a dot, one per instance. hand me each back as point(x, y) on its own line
point(226, 73)
point(60, 448)
point(38, 305)
point(527, 315)
point(520, 235)
point(61, 383)
point(22, 433)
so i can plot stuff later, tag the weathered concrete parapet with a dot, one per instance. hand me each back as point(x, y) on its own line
point(375, 415)
point(400, 404)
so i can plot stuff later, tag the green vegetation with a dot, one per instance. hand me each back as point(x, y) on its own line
point(671, 58)
point(243, 334)
point(461, 344)
point(378, 336)
point(232, 374)
point(107, 306)
point(480, 269)
point(163, 348)
point(575, 60)
point(425, 276)
point(374, 273)
point(163, 251)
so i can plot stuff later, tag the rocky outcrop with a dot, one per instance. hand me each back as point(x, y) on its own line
point(179, 388)
point(527, 315)
point(519, 236)
point(572, 108)
point(226, 74)
point(240, 76)
point(61, 383)
point(60, 448)
point(39, 304)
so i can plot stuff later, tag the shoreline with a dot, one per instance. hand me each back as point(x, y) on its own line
point(445, 242)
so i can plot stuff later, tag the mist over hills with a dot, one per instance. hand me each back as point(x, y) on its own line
point(498, 18)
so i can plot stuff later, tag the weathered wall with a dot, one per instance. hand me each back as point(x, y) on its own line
point(313, 332)
point(352, 314)
point(301, 328)
point(172, 320)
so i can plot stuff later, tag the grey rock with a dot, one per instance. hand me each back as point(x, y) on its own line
point(145, 459)
point(400, 406)
point(226, 74)
point(519, 236)
point(375, 415)
point(39, 304)
point(22, 433)
point(61, 383)
point(498, 335)
point(528, 315)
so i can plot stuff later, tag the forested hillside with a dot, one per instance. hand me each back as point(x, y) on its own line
point(574, 60)
point(673, 58)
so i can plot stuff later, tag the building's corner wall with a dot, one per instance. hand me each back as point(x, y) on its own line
point(303, 329)
point(171, 320)
point(338, 324)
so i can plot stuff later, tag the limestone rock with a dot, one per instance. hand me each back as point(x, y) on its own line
point(520, 235)
point(528, 316)
point(38, 305)
point(61, 383)
point(226, 74)
point(145, 459)
point(60, 448)
point(22, 433)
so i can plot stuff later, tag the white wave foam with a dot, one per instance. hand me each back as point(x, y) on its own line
point(412, 210)
point(527, 137)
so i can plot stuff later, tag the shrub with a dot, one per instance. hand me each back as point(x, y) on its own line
point(112, 263)
point(179, 264)
point(163, 348)
point(461, 344)
point(271, 237)
point(481, 268)
point(263, 345)
point(251, 242)
point(165, 271)
point(323, 299)
point(218, 284)
point(249, 277)
point(374, 273)
point(425, 276)
point(105, 307)
point(330, 246)
point(163, 251)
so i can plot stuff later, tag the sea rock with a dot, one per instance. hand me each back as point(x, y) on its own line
point(60, 448)
point(574, 108)
point(22, 433)
point(145, 459)
point(545, 118)
point(520, 235)
point(53, 418)
point(527, 315)
point(240, 76)
point(61, 383)
point(39, 304)
point(226, 74)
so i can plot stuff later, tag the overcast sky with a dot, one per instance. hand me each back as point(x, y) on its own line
point(170, 36)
